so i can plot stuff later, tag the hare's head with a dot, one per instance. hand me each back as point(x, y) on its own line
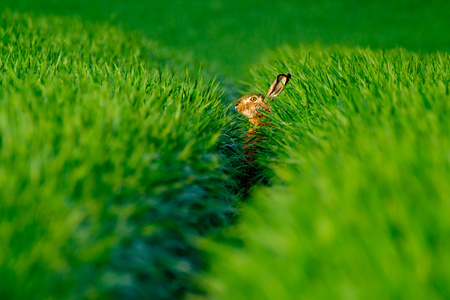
point(251, 105)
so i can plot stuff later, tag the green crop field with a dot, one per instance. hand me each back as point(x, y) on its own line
point(109, 163)
point(121, 173)
point(359, 206)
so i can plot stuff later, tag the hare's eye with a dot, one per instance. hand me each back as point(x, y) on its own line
point(252, 98)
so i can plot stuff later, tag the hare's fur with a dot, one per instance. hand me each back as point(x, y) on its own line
point(252, 105)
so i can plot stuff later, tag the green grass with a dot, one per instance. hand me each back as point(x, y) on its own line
point(109, 163)
point(117, 155)
point(359, 205)
point(230, 36)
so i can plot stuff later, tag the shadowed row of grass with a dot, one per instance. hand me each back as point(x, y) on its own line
point(359, 205)
point(109, 163)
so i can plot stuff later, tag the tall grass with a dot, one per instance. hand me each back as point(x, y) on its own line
point(114, 159)
point(360, 146)
point(109, 164)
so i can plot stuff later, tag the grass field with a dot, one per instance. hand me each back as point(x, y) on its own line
point(109, 163)
point(230, 36)
point(120, 158)
point(358, 208)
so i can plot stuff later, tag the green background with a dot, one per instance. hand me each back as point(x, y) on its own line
point(228, 36)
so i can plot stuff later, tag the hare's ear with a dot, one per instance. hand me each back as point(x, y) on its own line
point(278, 85)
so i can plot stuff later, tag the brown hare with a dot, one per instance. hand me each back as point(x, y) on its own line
point(251, 106)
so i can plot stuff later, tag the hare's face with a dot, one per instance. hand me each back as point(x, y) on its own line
point(250, 104)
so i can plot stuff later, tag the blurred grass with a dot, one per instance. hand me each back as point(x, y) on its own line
point(230, 36)
point(109, 163)
point(359, 205)
point(114, 160)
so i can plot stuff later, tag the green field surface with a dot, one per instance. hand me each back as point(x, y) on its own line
point(109, 164)
point(359, 204)
point(230, 36)
point(121, 164)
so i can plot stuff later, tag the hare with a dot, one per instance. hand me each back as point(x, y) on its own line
point(251, 106)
